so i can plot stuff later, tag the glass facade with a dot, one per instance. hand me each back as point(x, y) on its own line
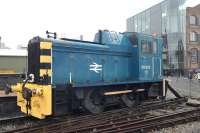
point(167, 17)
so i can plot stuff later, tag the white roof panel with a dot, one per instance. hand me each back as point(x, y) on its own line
point(13, 52)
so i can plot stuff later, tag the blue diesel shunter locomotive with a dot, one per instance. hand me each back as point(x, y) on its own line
point(66, 74)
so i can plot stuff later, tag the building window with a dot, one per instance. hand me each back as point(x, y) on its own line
point(199, 21)
point(193, 36)
point(193, 20)
point(198, 37)
point(136, 24)
point(143, 22)
point(139, 23)
point(194, 55)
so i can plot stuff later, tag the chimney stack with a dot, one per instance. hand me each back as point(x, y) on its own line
point(81, 37)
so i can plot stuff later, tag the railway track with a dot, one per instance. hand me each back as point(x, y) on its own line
point(14, 118)
point(121, 120)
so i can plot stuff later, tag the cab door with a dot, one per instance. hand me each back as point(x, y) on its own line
point(146, 62)
point(157, 59)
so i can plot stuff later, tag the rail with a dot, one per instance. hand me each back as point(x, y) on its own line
point(119, 120)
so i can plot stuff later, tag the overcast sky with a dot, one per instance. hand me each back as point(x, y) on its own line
point(20, 20)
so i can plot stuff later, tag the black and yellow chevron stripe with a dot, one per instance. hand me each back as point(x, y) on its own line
point(45, 60)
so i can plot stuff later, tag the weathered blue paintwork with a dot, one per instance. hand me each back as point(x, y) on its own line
point(112, 59)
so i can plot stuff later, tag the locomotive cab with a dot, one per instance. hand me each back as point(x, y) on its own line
point(148, 53)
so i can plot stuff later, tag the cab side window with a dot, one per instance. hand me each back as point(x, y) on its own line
point(146, 46)
point(155, 46)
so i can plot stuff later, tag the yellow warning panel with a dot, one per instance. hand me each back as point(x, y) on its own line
point(45, 72)
point(41, 100)
point(7, 71)
point(45, 59)
point(45, 45)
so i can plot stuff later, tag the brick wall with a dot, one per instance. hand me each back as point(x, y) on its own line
point(193, 11)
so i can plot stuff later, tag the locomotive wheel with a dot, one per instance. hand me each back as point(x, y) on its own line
point(94, 102)
point(129, 99)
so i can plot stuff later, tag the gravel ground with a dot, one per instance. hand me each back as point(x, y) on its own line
point(16, 124)
point(193, 127)
point(190, 89)
point(12, 126)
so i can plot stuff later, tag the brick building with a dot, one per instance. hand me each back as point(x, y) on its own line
point(193, 37)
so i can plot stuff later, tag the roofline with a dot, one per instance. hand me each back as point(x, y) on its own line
point(13, 52)
point(13, 55)
point(148, 9)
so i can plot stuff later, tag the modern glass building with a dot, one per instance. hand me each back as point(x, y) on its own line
point(168, 18)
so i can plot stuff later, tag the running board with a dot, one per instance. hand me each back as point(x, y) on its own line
point(117, 92)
